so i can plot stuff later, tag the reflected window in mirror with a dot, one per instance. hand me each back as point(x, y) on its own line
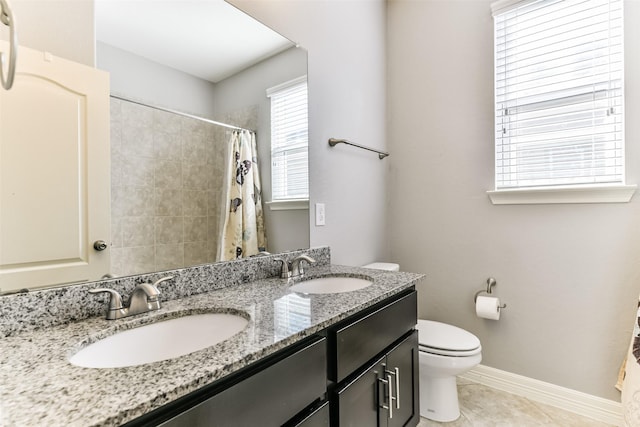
point(289, 143)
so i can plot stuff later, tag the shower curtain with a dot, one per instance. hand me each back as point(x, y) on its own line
point(243, 231)
point(630, 379)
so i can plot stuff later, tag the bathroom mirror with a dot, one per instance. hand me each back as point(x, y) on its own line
point(163, 84)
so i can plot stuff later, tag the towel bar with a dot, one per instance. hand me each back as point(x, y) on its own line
point(334, 141)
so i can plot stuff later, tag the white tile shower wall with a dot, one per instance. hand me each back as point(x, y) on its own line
point(167, 177)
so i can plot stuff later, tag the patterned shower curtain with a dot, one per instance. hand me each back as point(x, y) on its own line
point(243, 232)
point(630, 379)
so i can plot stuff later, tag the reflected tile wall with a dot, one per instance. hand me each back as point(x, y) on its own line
point(166, 188)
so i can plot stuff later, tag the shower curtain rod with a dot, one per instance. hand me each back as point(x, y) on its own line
point(180, 113)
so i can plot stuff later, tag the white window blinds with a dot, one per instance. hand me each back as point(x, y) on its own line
point(558, 89)
point(289, 141)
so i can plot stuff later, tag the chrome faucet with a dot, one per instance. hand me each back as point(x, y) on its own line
point(297, 269)
point(294, 268)
point(145, 297)
point(285, 272)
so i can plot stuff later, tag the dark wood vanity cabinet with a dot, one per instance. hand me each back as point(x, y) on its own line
point(289, 386)
point(360, 372)
point(384, 393)
point(373, 363)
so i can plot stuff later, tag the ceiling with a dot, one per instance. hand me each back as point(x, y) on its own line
point(188, 35)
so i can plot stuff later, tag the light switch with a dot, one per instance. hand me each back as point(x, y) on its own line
point(320, 218)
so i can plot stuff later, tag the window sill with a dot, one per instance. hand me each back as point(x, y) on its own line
point(583, 194)
point(288, 205)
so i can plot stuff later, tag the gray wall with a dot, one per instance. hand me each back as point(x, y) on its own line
point(286, 229)
point(64, 28)
point(346, 45)
point(570, 274)
point(168, 88)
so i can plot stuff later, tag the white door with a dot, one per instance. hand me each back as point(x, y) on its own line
point(54, 173)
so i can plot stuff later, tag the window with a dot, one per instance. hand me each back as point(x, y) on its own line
point(289, 141)
point(558, 93)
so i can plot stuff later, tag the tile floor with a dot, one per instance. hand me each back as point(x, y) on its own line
point(482, 406)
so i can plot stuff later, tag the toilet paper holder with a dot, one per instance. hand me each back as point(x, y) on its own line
point(491, 282)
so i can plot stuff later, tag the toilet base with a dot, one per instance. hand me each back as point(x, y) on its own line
point(439, 398)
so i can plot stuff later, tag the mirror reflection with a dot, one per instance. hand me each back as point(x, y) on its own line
point(190, 141)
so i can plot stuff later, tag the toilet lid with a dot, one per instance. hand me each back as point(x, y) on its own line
point(441, 336)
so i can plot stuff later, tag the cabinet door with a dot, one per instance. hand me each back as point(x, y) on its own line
point(268, 398)
point(54, 173)
point(402, 363)
point(356, 403)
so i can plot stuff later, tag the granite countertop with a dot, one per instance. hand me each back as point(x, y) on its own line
point(39, 387)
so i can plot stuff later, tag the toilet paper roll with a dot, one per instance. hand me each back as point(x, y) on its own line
point(488, 307)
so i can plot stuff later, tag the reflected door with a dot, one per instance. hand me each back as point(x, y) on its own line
point(54, 173)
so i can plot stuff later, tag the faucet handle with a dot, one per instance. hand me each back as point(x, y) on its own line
point(155, 292)
point(151, 289)
point(163, 279)
point(285, 273)
point(298, 268)
point(260, 253)
point(305, 258)
point(115, 302)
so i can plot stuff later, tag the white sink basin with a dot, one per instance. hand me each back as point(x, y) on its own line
point(160, 341)
point(330, 285)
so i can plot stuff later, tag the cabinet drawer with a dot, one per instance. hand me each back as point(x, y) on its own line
point(317, 418)
point(268, 398)
point(354, 342)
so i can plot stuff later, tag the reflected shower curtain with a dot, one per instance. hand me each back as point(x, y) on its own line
point(243, 230)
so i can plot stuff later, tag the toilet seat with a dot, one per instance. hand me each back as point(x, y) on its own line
point(446, 340)
point(449, 353)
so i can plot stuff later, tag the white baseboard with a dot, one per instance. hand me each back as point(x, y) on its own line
point(607, 411)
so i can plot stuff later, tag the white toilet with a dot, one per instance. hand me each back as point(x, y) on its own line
point(445, 351)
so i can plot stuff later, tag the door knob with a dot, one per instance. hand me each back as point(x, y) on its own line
point(99, 245)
